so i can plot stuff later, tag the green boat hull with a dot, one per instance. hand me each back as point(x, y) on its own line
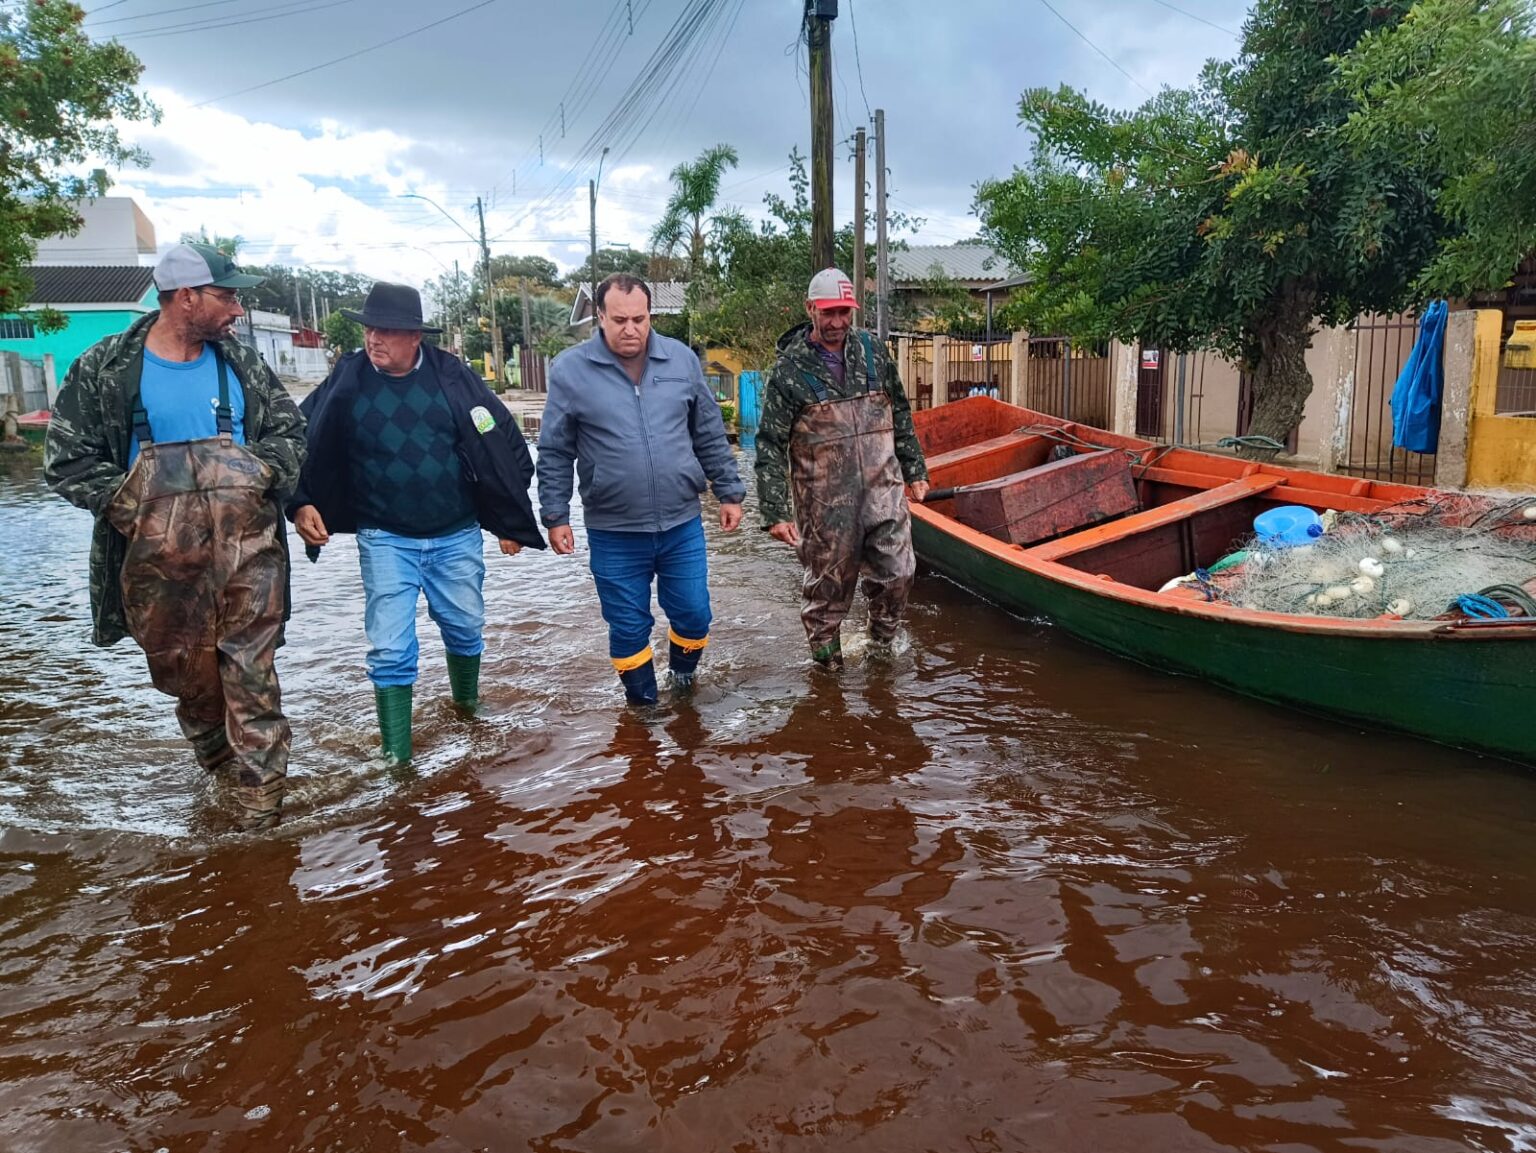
point(1471, 692)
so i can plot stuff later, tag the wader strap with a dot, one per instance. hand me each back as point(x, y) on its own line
point(819, 389)
point(870, 383)
point(223, 416)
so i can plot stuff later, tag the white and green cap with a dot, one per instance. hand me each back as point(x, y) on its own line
point(199, 266)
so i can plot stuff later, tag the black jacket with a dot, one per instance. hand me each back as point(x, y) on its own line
point(496, 463)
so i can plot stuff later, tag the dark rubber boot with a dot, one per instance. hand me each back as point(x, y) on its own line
point(464, 677)
point(394, 703)
point(640, 684)
point(683, 664)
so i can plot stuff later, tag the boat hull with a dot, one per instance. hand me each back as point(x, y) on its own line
point(1457, 688)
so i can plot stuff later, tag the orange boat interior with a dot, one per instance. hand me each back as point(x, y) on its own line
point(1188, 508)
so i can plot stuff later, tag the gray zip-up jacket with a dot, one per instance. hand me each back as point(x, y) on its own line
point(642, 453)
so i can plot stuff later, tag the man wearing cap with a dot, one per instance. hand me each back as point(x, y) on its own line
point(836, 430)
point(183, 443)
point(628, 410)
point(412, 452)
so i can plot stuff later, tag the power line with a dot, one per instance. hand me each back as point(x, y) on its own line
point(279, 13)
point(859, 64)
point(348, 56)
point(90, 23)
point(1096, 48)
point(1192, 16)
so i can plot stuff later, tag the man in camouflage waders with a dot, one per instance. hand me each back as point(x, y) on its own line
point(836, 430)
point(182, 443)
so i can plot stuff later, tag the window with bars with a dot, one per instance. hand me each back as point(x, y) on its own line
point(13, 329)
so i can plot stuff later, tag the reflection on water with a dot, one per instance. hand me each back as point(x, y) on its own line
point(998, 893)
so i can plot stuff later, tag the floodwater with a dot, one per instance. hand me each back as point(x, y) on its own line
point(998, 893)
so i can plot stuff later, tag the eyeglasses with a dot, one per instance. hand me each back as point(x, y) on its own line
point(222, 295)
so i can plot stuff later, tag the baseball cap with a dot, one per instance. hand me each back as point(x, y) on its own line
point(830, 289)
point(198, 266)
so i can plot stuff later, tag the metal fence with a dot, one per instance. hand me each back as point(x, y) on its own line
point(1170, 394)
point(1382, 345)
point(974, 361)
point(1074, 383)
point(1517, 392)
point(916, 359)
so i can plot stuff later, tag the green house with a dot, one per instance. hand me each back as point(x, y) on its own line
point(98, 301)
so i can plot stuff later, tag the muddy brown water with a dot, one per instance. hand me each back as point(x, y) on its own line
point(999, 893)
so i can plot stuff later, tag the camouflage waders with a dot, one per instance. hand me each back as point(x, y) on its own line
point(202, 589)
point(851, 510)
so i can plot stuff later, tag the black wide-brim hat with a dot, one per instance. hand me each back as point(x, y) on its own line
point(396, 306)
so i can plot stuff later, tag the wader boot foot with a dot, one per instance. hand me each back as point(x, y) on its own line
point(464, 679)
point(394, 705)
point(212, 749)
point(683, 664)
point(640, 684)
point(829, 655)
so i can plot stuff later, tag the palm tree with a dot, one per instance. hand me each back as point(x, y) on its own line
point(694, 189)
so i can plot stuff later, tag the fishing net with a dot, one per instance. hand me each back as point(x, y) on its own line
point(1437, 556)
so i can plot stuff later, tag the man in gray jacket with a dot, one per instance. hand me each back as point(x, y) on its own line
point(630, 410)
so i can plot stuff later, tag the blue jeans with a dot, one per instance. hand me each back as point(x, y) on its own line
point(449, 569)
point(624, 563)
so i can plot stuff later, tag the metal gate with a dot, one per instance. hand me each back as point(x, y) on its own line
point(1382, 345)
point(1074, 383)
point(977, 364)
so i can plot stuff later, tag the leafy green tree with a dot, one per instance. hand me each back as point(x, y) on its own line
point(1234, 215)
point(610, 260)
point(229, 245)
point(751, 287)
point(1456, 80)
point(59, 96)
point(537, 270)
point(342, 333)
point(695, 188)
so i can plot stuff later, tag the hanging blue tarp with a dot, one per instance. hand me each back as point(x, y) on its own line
point(751, 395)
point(1416, 396)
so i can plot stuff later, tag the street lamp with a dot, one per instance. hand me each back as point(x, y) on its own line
point(485, 253)
point(593, 191)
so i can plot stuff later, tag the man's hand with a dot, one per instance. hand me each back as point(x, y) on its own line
point(310, 526)
point(511, 547)
point(730, 517)
point(562, 539)
point(917, 490)
point(785, 531)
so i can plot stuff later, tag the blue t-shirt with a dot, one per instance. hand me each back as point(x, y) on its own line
point(182, 399)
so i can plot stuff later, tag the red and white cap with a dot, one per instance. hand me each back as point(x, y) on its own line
point(830, 289)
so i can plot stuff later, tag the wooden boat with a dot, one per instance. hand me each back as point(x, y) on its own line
point(1056, 539)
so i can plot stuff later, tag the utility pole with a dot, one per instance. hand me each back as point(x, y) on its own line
point(527, 342)
point(298, 302)
point(858, 221)
point(592, 195)
point(819, 15)
point(882, 250)
point(314, 313)
point(497, 364)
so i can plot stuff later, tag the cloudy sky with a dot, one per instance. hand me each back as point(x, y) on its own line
point(302, 125)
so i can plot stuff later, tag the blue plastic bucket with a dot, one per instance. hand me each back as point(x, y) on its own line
point(1288, 526)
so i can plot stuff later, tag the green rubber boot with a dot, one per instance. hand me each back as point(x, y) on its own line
point(464, 678)
point(394, 703)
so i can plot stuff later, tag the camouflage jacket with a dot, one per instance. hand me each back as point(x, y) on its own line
point(787, 393)
point(85, 458)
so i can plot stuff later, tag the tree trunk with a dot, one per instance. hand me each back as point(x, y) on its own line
point(1281, 381)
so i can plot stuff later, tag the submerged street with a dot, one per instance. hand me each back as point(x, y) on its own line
point(998, 892)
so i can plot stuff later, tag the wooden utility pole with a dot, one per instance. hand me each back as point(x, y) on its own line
point(819, 15)
point(858, 221)
point(497, 364)
point(592, 203)
point(882, 250)
point(527, 342)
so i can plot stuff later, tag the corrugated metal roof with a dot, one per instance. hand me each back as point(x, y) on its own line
point(88, 284)
point(668, 297)
point(964, 262)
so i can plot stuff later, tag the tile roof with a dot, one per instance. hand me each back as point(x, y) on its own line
point(89, 284)
point(965, 262)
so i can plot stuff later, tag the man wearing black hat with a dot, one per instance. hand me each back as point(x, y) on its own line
point(412, 452)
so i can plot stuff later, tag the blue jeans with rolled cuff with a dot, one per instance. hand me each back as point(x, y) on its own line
point(625, 563)
point(450, 570)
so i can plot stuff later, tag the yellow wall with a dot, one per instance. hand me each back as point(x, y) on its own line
point(1501, 450)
